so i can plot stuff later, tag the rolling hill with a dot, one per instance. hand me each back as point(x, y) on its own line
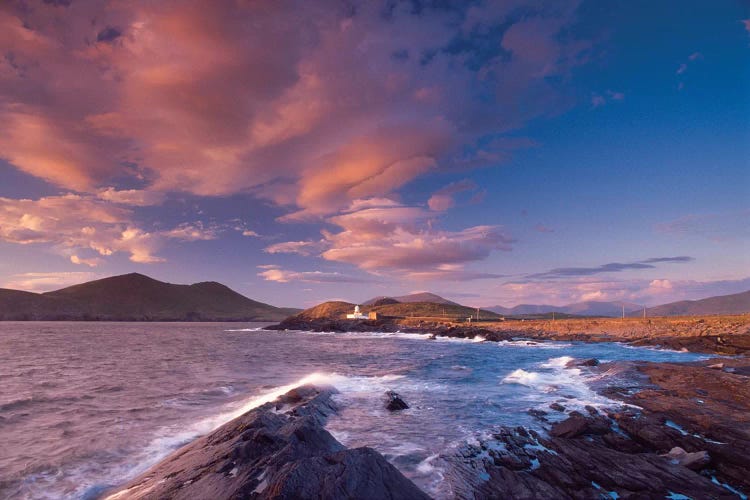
point(135, 297)
point(738, 303)
point(395, 310)
point(414, 297)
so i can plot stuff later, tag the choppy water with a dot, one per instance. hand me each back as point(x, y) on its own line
point(86, 406)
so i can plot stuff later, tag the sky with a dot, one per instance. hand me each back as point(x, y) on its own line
point(493, 152)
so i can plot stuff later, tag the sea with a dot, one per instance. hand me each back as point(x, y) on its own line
point(84, 407)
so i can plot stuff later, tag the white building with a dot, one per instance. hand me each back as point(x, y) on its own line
point(357, 314)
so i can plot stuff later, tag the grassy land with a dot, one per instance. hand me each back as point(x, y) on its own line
point(625, 329)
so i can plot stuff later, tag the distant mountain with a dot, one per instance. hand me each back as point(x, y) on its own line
point(588, 308)
point(738, 303)
point(135, 297)
point(594, 308)
point(415, 297)
point(522, 309)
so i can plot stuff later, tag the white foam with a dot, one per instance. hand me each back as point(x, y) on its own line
point(533, 344)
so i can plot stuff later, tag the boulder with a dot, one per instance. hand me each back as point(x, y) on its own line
point(557, 407)
point(395, 402)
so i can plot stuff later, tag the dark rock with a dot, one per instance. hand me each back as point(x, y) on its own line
point(395, 402)
point(582, 362)
point(557, 407)
point(570, 427)
point(267, 453)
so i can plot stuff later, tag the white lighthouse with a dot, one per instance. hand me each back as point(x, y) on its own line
point(357, 314)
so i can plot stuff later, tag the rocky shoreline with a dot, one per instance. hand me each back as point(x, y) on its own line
point(682, 429)
point(686, 435)
point(278, 450)
point(703, 340)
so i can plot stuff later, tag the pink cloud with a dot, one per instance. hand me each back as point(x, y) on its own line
point(444, 198)
point(191, 100)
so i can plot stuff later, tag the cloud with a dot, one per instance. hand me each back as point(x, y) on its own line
point(445, 198)
point(91, 262)
point(194, 231)
point(75, 222)
point(717, 227)
point(133, 197)
point(44, 282)
point(247, 232)
point(296, 247)
point(598, 100)
point(541, 228)
point(746, 24)
point(683, 67)
point(383, 237)
point(649, 291)
point(612, 267)
point(274, 273)
point(189, 99)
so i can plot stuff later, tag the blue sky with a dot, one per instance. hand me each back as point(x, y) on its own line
point(493, 152)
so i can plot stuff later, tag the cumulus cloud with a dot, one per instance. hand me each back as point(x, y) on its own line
point(381, 236)
point(189, 100)
point(76, 222)
point(44, 282)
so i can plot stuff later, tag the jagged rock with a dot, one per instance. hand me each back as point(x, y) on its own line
point(395, 402)
point(557, 407)
point(571, 427)
point(268, 453)
point(584, 362)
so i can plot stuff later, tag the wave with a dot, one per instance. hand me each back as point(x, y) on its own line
point(554, 381)
point(534, 344)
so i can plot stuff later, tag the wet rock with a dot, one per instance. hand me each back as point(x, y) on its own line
point(395, 402)
point(582, 362)
point(695, 461)
point(570, 427)
point(539, 414)
point(268, 453)
point(717, 366)
point(557, 407)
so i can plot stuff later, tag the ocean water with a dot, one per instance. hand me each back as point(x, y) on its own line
point(87, 406)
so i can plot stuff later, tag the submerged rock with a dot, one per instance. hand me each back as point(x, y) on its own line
point(395, 402)
point(278, 450)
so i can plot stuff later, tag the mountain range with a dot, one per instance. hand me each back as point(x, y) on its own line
point(737, 303)
point(587, 308)
point(135, 297)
